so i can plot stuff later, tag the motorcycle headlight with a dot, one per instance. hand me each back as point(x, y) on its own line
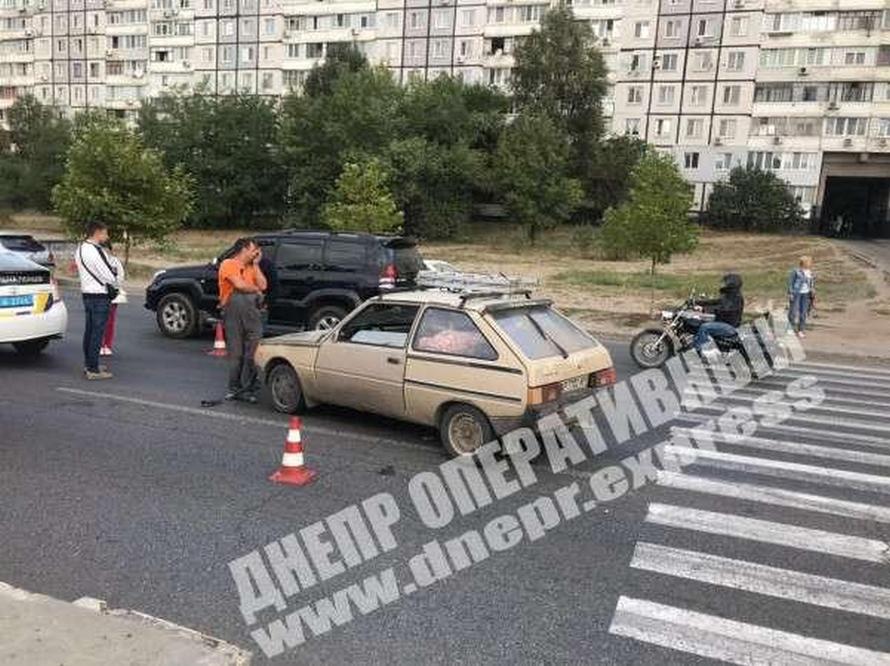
point(667, 315)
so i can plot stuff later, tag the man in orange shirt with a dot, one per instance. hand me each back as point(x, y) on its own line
point(241, 287)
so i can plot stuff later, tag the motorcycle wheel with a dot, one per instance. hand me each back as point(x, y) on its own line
point(647, 352)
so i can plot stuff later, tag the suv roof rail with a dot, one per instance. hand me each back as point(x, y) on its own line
point(477, 285)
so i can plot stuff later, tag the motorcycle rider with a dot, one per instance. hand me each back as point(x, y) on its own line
point(727, 312)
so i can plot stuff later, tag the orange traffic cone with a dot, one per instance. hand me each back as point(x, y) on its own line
point(292, 471)
point(219, 343)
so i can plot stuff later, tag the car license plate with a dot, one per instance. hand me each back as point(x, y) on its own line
point(574, 384)
point(17, 301)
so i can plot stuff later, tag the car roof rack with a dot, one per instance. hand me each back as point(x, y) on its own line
point(477, 285)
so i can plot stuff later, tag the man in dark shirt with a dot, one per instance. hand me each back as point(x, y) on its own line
point(727, 311)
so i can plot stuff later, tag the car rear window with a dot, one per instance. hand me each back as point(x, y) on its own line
point(404, 254)
point(542, 332)
point(344, 255)
point(452, 333)
point(21, 244)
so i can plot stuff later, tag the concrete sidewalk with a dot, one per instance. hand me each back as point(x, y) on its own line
point(37, 630)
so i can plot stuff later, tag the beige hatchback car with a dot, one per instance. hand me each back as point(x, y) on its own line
point(474, 365)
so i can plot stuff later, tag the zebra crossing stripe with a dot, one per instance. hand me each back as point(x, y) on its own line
point(761, 579)
point(850, 369)
point(775, 385)
point(796, 448)
point(818, 433)
point(775, 496)
point(756, 392)
point(729, 640)
point(764, 531)
point(781, 469)
point(821, 407)
point(830, 373)
point(805, 417)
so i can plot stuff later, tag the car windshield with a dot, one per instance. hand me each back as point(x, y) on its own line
point(20, 244)
point(541, 332)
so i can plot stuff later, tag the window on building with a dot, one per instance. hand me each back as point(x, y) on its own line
point(468, 18)
point(845, 126)
point(269, 26)
point(669, 62)
point(703, 60)
point(632, 126)
point(635, 95)
point(732, 95)
point(703, 28)
point(673, 28)
point(882, 127)
point(694, 128)
point(690, 160)
point(698, 95)
point(315, 50)
point(415, 20)
point(641, 29)
point(738, 26)
point(735, 61)
point(662, 127)
point(854, 58)
point(666, 95)
point(441, 18)
point(726, 128)
point(723, 162)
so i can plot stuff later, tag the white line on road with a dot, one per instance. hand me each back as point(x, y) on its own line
point(834, 436)
point(761, 579)
point(848, 368)
point(775, 496)
point(810, 417)
point(729, 640)
point(781, 469)
point(774, 384)
point(239, 418)
point(795, 448)
point(765, 531)
point(821, 407)
point(756, 392)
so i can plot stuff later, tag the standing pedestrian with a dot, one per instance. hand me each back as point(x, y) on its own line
point(241, 287)
point(801, 294)
point(98, 286)
point(107, 348)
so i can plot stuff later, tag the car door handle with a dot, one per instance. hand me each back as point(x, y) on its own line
point(394, 360)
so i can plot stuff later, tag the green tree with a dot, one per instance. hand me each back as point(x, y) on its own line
point(341, 58)
point(361, 200)
point(112, 177)
point(32, 154)
point(229, 146)
point(561, 74)
point(531, 167)
point(319, 134)
point(754, 200)
point(435, 184)
point(607, 180)
point(654, 222)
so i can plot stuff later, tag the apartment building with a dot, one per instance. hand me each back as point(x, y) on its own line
point(799, 87)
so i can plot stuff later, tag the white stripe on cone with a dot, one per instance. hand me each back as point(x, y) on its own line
point(292, 460)
point(293, 436)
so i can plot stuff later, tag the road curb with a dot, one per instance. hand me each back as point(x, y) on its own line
point(68, 618)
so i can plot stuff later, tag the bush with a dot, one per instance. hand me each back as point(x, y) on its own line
point(754, 200)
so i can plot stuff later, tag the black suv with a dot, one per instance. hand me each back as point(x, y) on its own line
point(315, 279)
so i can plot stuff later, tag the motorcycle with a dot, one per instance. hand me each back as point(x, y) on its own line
point(652, 347)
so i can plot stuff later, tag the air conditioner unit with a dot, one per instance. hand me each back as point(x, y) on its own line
point(605, 41)
point(882, 142)
point(802, 71)
point(739, 4)
point(44, 78)
point(168, 13)
point(832, 106)
point(139, 75)
point(698, 41)
point(718, 141)
point(354, 32)
point(109, 53)
point(848, 143)
point(461, 59)
point(777, 140)
point(186, 64)
point(29, 32)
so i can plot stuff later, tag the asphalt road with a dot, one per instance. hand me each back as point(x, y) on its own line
point(130, 491)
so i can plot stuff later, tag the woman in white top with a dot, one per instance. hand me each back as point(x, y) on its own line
point(108, 338)
point(801, 292)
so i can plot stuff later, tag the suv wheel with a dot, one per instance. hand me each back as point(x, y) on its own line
point(31, 347)
point(177, 316)
point(285, 389)
point(326, 317)
point(463, 429)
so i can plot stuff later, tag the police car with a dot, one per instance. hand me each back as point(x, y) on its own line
point(31, 309)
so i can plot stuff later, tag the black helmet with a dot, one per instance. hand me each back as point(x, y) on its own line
point(732, 282)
